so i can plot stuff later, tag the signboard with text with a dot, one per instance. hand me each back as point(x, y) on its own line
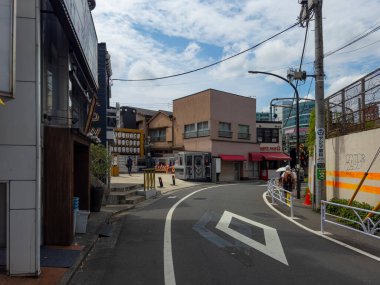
point(7, 28)
point(320, 153)
point(320, 144)
point(128, 142)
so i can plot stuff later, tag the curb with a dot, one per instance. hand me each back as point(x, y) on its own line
point(68, 276)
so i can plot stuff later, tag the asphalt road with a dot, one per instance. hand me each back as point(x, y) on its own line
point(221, 235)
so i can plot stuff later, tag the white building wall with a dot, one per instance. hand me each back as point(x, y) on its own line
point(347, 159)
point(19, 148)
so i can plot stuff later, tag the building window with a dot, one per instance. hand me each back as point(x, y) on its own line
point(225, 130)
point(157, 135)
point(244, 132)
point(267, 135)
point(203, 129)
point(190, 131)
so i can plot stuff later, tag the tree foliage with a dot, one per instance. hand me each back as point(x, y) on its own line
point(100, 162)
point(311, 134)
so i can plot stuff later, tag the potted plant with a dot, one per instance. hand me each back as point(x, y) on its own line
point(100, 162)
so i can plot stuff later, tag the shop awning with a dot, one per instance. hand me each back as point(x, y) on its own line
point(275, 156)
point(227, 157)
point(255, 156)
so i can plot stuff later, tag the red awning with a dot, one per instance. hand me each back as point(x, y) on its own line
point(227, 157)
point(255, 156)
point(275, 156)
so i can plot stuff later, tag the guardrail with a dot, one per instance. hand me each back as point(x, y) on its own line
point(367, 224)
point(281, 195)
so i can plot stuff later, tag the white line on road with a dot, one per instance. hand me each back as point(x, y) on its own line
point(272, 246)
point(318, 233)
point(168, 254)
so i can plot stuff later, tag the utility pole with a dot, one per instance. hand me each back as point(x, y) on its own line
point(320, 160)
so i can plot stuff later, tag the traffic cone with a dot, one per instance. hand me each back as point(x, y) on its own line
point(307, 198)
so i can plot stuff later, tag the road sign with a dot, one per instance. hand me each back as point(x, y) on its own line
point(321, 173)
point(320, 143)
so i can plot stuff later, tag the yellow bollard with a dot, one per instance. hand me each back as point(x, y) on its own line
point(288, 198)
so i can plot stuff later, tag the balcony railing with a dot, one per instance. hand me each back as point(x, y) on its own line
point(158, 139)
point(244, 136)
point(225, 134)
point(195, 134)
point(203, 133)
point(189, 135)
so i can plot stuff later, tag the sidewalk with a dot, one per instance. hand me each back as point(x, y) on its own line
point(305, 216)
point(138, 179)
point(98, 223)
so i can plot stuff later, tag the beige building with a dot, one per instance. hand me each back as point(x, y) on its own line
point(160, 132)
point(219, 123)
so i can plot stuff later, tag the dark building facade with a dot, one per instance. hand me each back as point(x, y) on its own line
point(99, 122)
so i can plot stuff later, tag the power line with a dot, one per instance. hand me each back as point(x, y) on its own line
point(300, 66)
point(212, 64)
point(354, 40)
point(359, 48)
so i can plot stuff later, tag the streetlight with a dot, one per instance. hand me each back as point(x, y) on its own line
point(297, 126)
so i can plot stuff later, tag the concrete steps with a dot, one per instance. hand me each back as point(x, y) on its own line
point(125, 194)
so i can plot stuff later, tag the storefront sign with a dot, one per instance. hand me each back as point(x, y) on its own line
point(128, 142)
point(7, 28)
point(84, 29)
point(320, 142)
point(270, 148)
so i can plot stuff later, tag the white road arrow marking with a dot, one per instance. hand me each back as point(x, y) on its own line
point(272, 247)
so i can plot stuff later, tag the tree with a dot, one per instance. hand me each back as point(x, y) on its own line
point(100, 162)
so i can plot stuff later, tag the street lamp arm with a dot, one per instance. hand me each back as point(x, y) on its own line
point(275, 75)
point(297, 123)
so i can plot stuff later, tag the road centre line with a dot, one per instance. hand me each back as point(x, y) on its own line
point(168, 253)
point(318, 233)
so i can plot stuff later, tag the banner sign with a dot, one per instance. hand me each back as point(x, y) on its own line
point(7, 28)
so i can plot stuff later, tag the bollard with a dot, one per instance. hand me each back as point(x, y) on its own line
point(173, 179)
point(160, 181)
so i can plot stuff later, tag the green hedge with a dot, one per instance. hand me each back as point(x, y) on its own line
point(348, 213)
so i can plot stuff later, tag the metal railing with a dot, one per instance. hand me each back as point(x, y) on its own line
point(354, 108)
point(244, 136)
point(367, 224)
point(149, 179)
point(189, 135)
point(280, 194)
point(225, 134)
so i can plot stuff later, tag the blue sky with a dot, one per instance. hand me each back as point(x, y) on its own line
point(159, 38)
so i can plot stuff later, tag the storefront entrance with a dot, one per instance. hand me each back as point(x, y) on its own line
point(237, 170)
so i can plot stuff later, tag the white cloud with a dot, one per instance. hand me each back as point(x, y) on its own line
point(191, 51)
point(137, 33)
point(340, 83)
